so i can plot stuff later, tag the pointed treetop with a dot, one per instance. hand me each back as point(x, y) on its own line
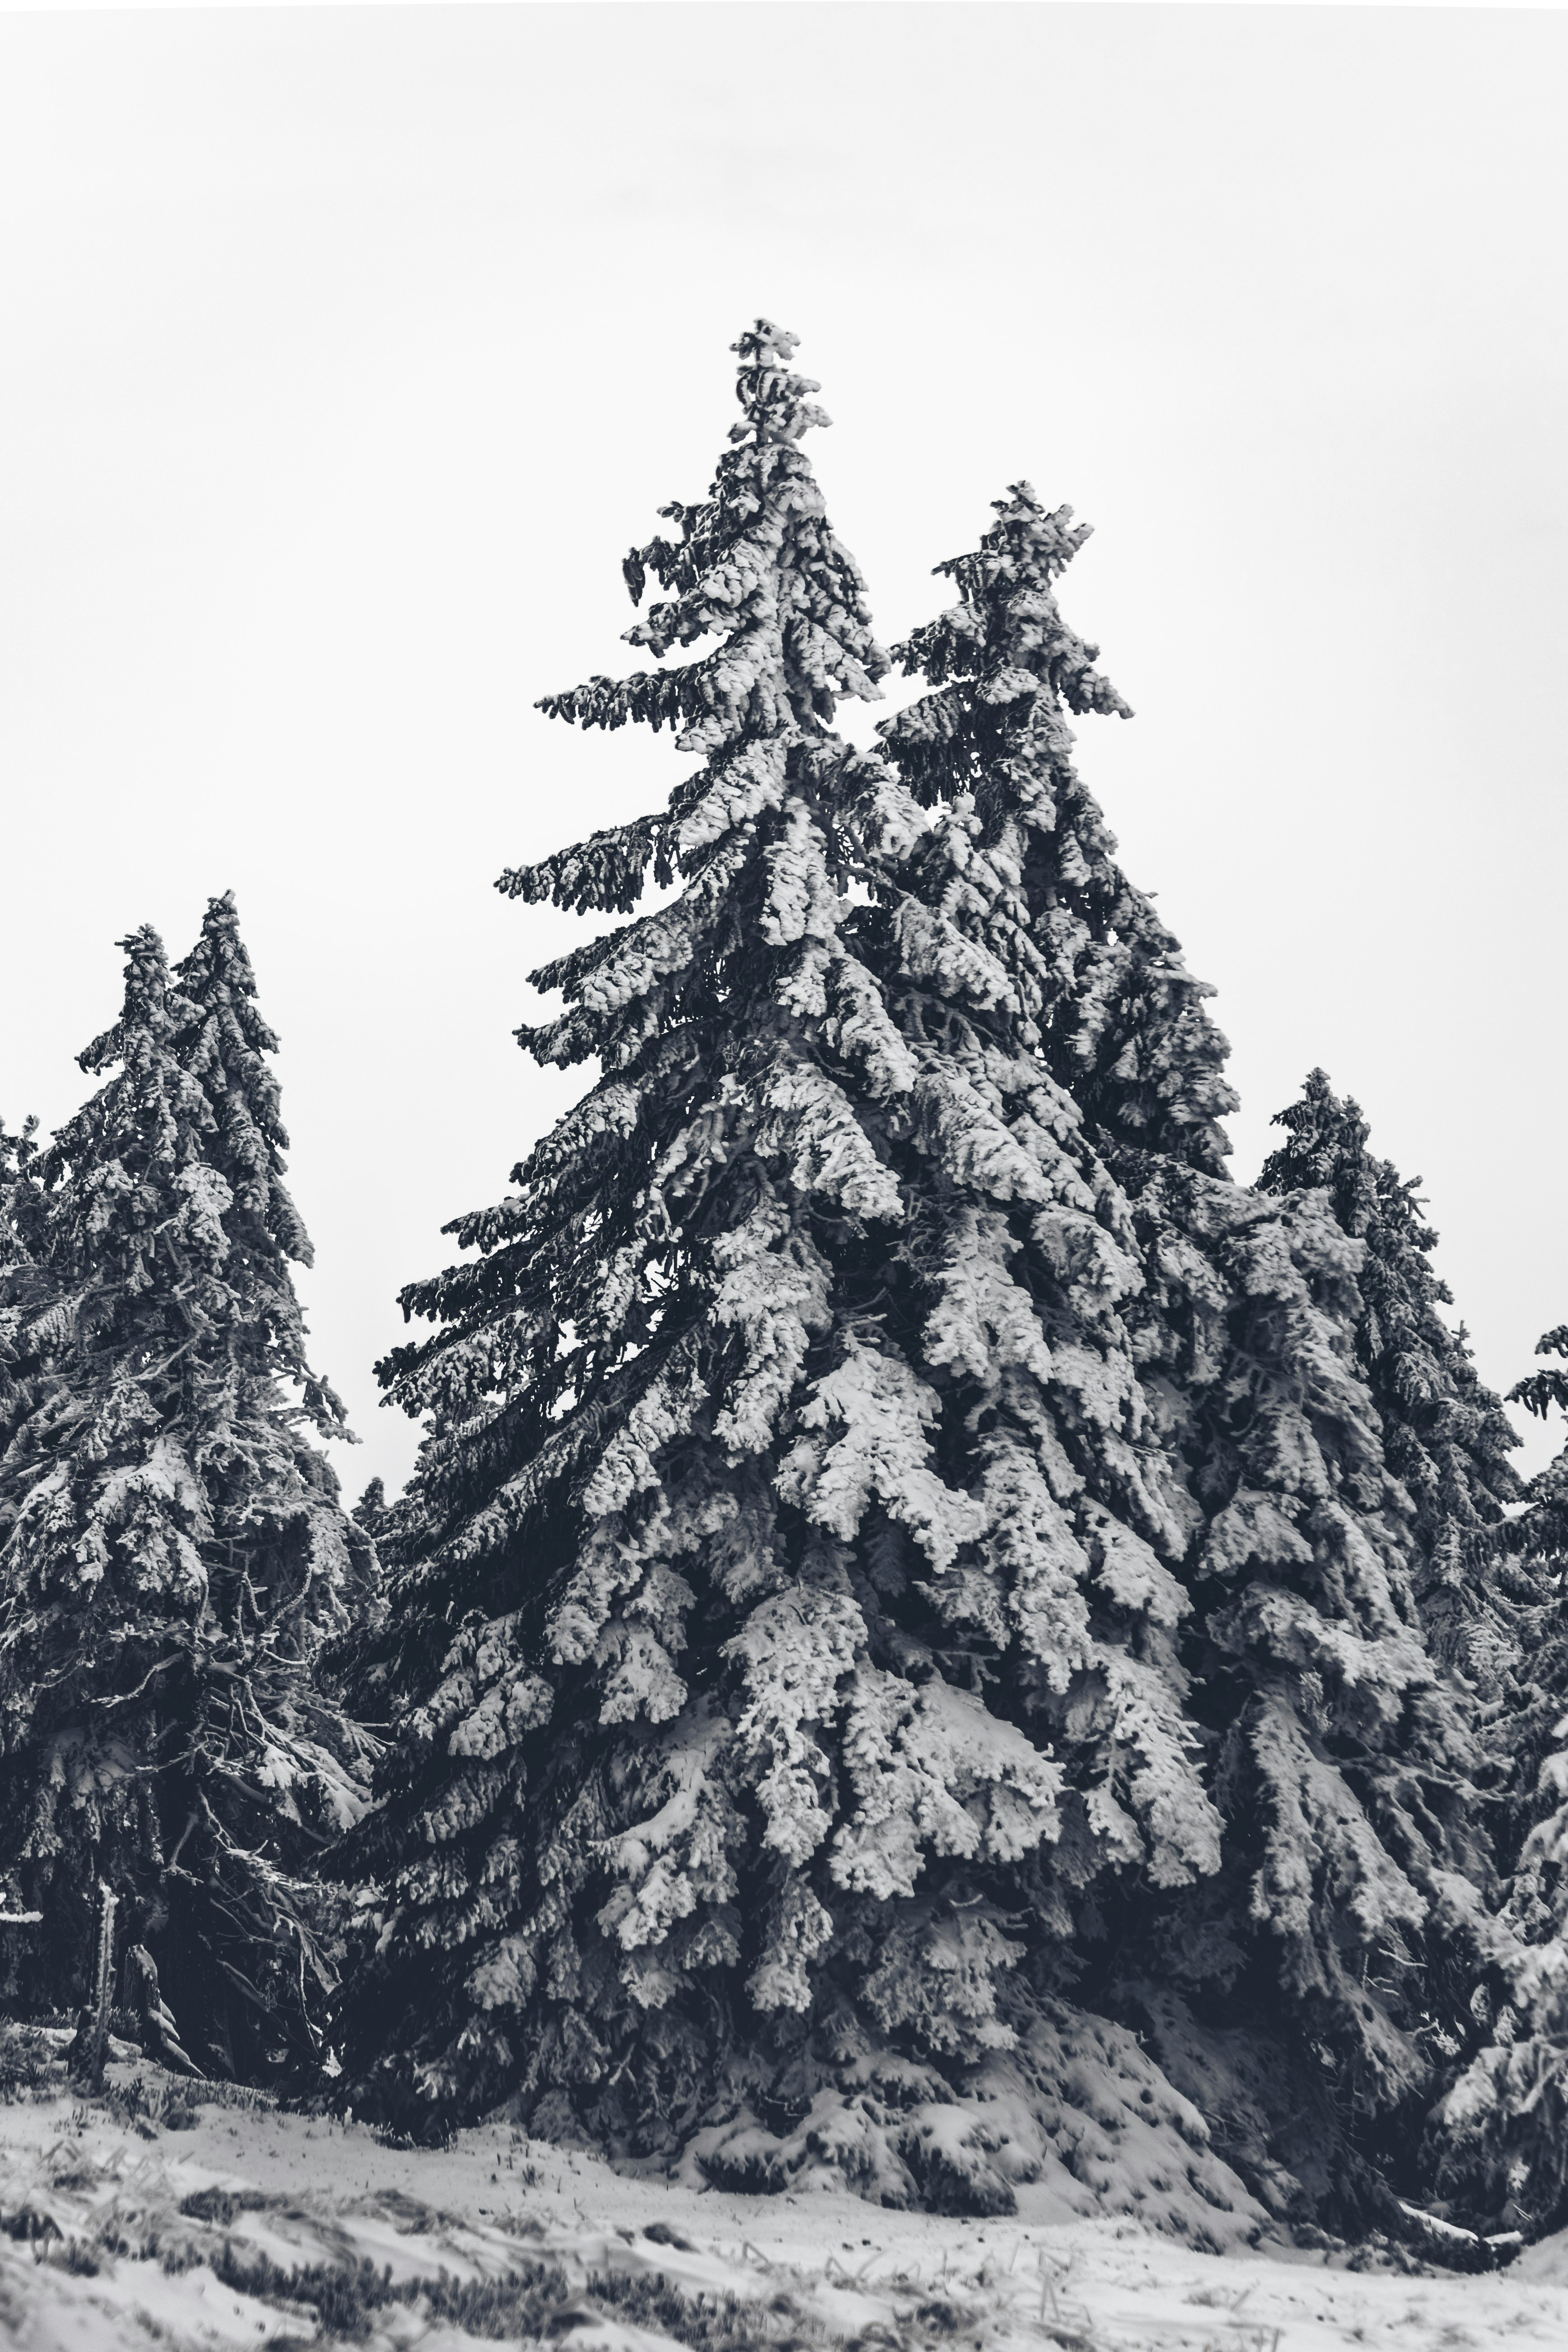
point(757, 557)
point(219, 971)
point(778, 404)
point(145, 1010)
point(129, 1141)
point(1327, 1151)
point(758, 565)
point(1446, 1434)
point(1009, 609)
point(1120, 1019)
point(179, 1153)
point(223, 1042)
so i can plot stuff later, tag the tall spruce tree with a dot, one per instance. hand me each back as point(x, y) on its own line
point(1104, 997)
point(1484, 1585)
point(172, 1550)
point(721, 1532)
point(1346, 1907)
point(224, 1044)
point(23, 1282)
point(1539, 1534)
point(1445, 1435)
point(1499, 2139)
point(25, 1290)
point(826, 1440)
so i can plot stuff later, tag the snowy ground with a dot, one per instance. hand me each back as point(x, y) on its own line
point(123, 2231)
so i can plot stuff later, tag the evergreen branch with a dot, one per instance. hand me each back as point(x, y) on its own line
point(124, 1698)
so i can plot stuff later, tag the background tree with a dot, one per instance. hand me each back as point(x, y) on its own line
point(1498, 2142)
point(1540, 1533)
point(1445, 1435)
point(1106, 1000)
point(226, 1044)
point(1345, 1908)
point(24, 1291)
point(23, 1281)
point(172, 1550)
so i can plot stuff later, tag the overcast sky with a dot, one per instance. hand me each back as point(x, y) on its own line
point(346, 351)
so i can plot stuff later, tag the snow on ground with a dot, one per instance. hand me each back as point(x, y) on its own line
point(121, 2233)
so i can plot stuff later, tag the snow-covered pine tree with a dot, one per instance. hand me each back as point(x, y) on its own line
point(23, 1282)
point(1497, 2144)
point(1291, 1989)
point(747, 1541)
point(1540, 1533)
point(223, 1042)
point(1499, 2139)
point(810, 1476)
point(1106, 1002)
point(1486, 1587)
point(19, 1192)
point(173, 1553)
point(25, 1291)
point(1444, 1434)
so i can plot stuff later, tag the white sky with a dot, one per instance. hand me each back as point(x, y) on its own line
point(347, 350)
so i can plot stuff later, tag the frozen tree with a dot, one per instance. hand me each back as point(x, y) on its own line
point(1445, 1435)
point(746, 1536)
point(1539, 1532)
point(1498, 2142)
point(1107, 1002)
point(173, 1554)
point(1341, 1909)
point(23, 1282)
point(19, 1192)
point(1484, 1577)
point(794, 1619)
point(1499, 2139)
point(25, 1291)
point(223, 1042)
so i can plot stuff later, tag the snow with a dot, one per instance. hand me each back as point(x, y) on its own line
point(819, 2266)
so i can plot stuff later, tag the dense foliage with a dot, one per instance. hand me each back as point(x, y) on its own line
point(1446, 1436)
point(899, 1534)
point(1498, 2141)
point(1339, 1916)
point(933, 1634)
point(173, 1552)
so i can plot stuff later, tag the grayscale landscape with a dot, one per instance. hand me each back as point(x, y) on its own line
point(872, 1650)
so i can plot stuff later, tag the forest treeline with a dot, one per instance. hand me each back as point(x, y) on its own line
point(914, 1582)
